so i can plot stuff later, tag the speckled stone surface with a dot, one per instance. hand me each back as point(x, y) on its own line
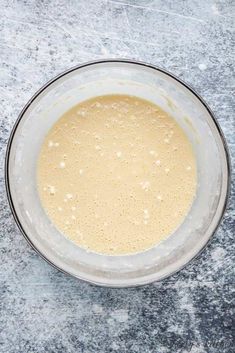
point(43, 310)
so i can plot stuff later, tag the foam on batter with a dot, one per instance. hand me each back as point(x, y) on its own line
point(116, 174)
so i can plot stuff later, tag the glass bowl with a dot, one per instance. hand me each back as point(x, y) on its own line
point(173, 96)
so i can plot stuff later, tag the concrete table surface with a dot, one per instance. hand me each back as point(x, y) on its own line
point(43, 310)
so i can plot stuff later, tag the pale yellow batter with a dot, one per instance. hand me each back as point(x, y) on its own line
point(116, 174)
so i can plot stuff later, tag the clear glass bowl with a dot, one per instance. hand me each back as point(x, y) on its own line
point(175, 97)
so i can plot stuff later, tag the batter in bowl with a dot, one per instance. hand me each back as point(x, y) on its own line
point(116, 174)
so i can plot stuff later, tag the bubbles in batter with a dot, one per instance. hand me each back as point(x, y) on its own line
point(116, 174)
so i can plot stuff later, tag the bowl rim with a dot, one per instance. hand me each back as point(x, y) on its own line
point(43, 88)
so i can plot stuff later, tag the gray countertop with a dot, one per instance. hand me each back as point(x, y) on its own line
point(43, 310)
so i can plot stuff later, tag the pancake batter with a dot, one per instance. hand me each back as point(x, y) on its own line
point(116, 174)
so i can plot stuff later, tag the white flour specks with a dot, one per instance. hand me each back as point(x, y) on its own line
point(97, 309)
point(202, 67)
point(120, 315)
point(145, 185)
